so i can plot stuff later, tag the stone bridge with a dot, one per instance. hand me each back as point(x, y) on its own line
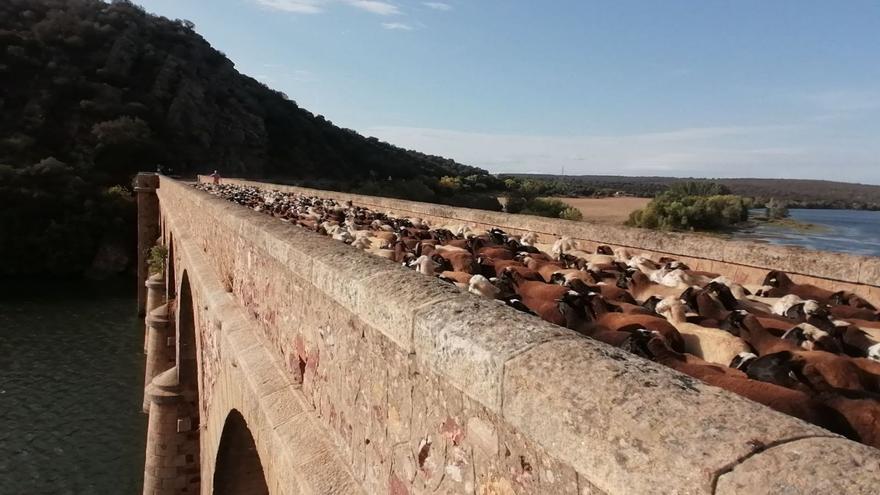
point(280, 361)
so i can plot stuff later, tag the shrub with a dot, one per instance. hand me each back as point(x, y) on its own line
point(672, 211)
point(571, 213)
point(515, 204)
point(776, 209)
point(544, 207)
point(156, 260)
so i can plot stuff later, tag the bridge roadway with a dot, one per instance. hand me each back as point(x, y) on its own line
point(280, 361)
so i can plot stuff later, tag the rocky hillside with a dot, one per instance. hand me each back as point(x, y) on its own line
point(92, 92)
point(108, 85)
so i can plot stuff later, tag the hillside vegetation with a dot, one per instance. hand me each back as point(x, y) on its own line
point(94, 92)
point(795, 193)
point(693, 206)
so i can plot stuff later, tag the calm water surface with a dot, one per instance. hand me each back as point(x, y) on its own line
point(845, 231)
point(71, 381)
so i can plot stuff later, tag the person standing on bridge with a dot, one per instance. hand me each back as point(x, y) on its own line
point(216, 177)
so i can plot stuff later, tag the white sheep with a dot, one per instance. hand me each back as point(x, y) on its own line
point(481, 286)
point(529, 239)
point(709, 344)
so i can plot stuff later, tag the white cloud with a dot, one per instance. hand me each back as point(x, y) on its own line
point(318, 6)
point(725, 151)
point(375, 6)
point(437, 5)
point(399, 26)
point(295, 6)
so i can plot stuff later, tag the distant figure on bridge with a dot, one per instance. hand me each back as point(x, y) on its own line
point(216, 177)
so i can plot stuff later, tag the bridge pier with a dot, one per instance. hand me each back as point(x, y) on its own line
point(169, 459)
point(160, 352)
point(155, 297)
point(148, 229)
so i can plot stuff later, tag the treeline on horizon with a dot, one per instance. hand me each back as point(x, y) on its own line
point(94, 92)
point(794, 193)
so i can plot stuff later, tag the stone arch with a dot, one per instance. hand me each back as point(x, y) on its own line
point(187, 375)
point(238, 470)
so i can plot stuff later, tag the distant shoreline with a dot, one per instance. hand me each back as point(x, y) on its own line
point(796, 193)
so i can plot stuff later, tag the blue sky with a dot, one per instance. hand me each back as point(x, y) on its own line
point(703, 88)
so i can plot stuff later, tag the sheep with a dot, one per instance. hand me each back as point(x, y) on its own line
point(541, 298)
point(782, 285)
point(363, 242)
point(481, 286)
point(782, 399)
point(529, 239)
point(809, 338)
point(862, 415)
point(426, 265)
point(713, 345)
point(461, 261)
point(641, 287)
point(861, 343)
point(460, 279)
point(563, 245)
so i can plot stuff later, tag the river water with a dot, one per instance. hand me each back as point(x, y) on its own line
point(843, 231)
point(71, 382)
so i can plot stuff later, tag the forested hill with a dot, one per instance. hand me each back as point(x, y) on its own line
point(93, 92)
point(794, 192)
point(110, 86)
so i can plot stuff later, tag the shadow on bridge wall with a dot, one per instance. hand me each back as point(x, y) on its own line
point(239, 471)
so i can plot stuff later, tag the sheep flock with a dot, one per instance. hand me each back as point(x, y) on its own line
point(797, 348)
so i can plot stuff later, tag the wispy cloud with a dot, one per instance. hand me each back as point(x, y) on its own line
point(375, 6)
point(398, 26)
point(295, 6)
point(318, 6)
point(437, 5)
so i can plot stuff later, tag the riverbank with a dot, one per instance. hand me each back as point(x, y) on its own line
point(844, 231)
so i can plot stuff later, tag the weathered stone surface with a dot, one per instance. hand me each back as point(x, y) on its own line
point(809, 465)
point(468, 339)
point(632, 426)
point(389, 299)
point(869, 271)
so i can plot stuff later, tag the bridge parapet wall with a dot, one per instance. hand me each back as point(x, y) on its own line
point(744, 262)
point(425, 388)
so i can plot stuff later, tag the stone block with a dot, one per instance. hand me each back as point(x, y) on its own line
point(339, 267)
point(281, 406)
point(312, 460)
point(258, 368)
point(869, 271)
point(468, 339)
point(632, 426)
point(388, 301)
point(806, 466)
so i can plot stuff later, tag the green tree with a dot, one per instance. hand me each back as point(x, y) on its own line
point(776, 209)
point(571, 213)
point(672, 211)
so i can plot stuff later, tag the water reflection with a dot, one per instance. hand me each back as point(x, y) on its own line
point(844, 231)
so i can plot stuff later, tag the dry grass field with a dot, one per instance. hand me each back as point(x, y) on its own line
point(606, 210)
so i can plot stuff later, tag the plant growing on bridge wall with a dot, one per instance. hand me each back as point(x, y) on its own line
point(157, 258)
